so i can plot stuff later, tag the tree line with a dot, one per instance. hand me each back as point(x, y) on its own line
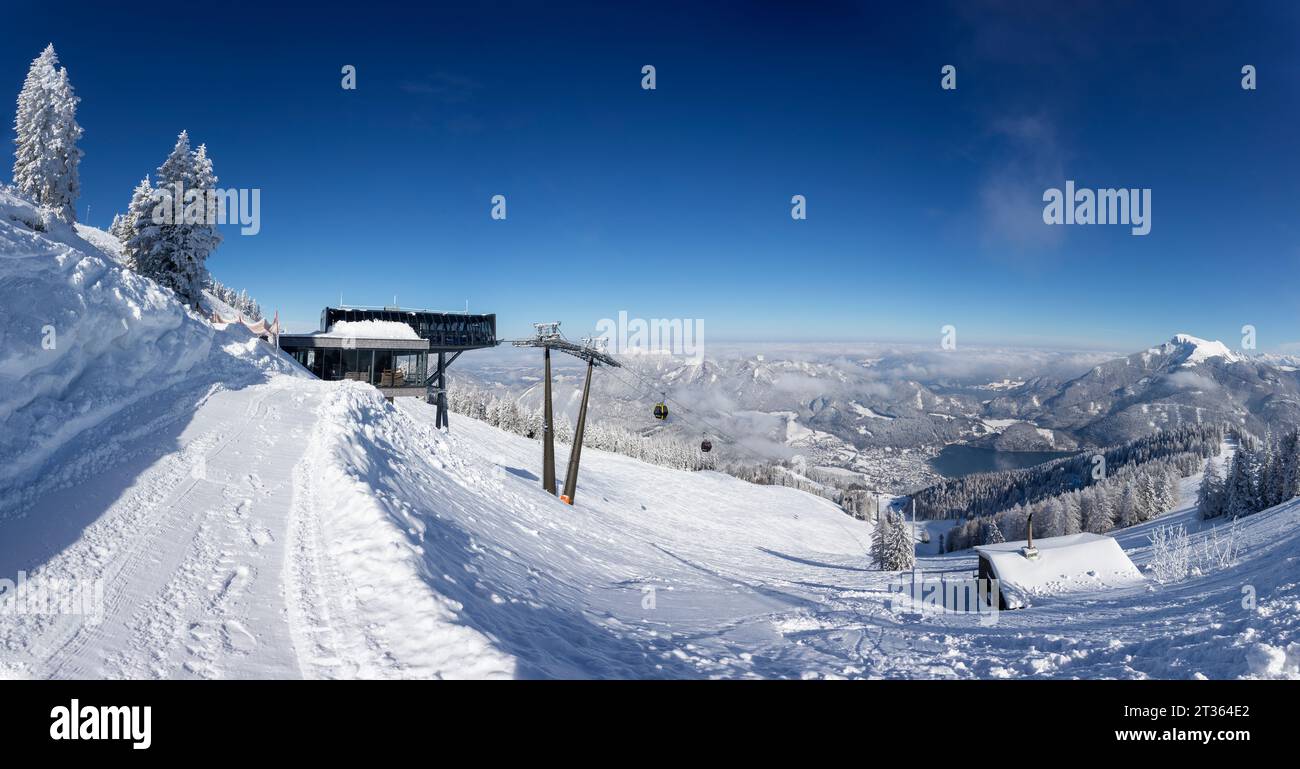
point(506, 414)
point(984, 494)
point(1262, 474)
point(237, 300)
point(1133, 494)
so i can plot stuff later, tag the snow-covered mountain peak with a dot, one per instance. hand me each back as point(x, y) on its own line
point(1198, 350)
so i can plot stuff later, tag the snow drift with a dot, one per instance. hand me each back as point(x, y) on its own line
point(83, 338)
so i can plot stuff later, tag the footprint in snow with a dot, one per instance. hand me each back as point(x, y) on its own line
point(236, 638)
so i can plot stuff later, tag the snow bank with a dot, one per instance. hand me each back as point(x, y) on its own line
point(370, 329)
point(377, 545)
point(1070, 564)
point(83, 338)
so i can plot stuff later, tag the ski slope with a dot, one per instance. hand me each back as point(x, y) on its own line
point(335, 535)
point(244, 520)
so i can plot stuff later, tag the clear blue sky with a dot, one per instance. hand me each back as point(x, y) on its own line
point(924, 206)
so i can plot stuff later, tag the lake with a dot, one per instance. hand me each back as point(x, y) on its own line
point(957, 460)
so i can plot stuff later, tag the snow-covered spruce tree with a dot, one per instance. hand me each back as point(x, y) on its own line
point(1094, 510)
point(1209, 498)
point(138, 233)
point(182, 230)
point(1289, 457)
point(120, 229)
point(204, 238)
point(892, 548)
point(992, 534)
point(46, 158)
point(1240, 492)
point(879, 533)
point(900, 552)
point(1129, 506)
point(1073, 514)
point(1279, 482)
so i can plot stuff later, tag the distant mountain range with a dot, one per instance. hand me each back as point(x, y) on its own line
point(1185, 380)
point(860, 406)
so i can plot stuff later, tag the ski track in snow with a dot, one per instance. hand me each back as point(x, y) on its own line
point(188, 554)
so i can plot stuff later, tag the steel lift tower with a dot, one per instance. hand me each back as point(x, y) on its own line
point(548, 338)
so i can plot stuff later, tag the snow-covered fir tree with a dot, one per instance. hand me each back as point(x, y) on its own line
point(1240, 489)
point(119, 228)
point(180, 234)
point(1094, 510)
point(46, 157)
point(901, 552)
point(879, 534)
point(892, 548)
point(1288, 457)
point(137, 232)
point(204, 237)
point(1209, 497)
point(1130, 502)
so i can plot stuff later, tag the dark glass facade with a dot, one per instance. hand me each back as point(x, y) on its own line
point(442, 329)
point(379, 367)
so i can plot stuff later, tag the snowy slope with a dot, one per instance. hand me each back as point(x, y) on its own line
point(365, 543)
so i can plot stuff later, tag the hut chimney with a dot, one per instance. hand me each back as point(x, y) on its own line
point(1029, 551)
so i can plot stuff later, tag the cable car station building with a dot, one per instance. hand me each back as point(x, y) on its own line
point(398, 367)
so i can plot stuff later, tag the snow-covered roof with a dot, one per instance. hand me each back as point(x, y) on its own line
point(1073, 563)
point(369, 329)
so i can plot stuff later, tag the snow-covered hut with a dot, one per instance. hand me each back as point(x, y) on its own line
point(1056, 565)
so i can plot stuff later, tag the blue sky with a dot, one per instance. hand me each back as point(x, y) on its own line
point(924, 205)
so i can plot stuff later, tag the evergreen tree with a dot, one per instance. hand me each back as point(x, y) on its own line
point(1209, 498)
point(1072, 514)
point(879, 537)
point(904, 546)
point(1238, 491)
point(46, 158)
point(1289, 464)
point(182, 224)
point(1052, 521)
point(895, 550)
point(1267, 484)
point(204, 237)
point(119, 228)
point(1107, 509)
point(1129, 506)
point(138, 233)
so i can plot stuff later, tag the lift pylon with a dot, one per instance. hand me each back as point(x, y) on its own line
point(548, 337)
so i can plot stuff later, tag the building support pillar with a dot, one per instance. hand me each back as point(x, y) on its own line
point(442, 420)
